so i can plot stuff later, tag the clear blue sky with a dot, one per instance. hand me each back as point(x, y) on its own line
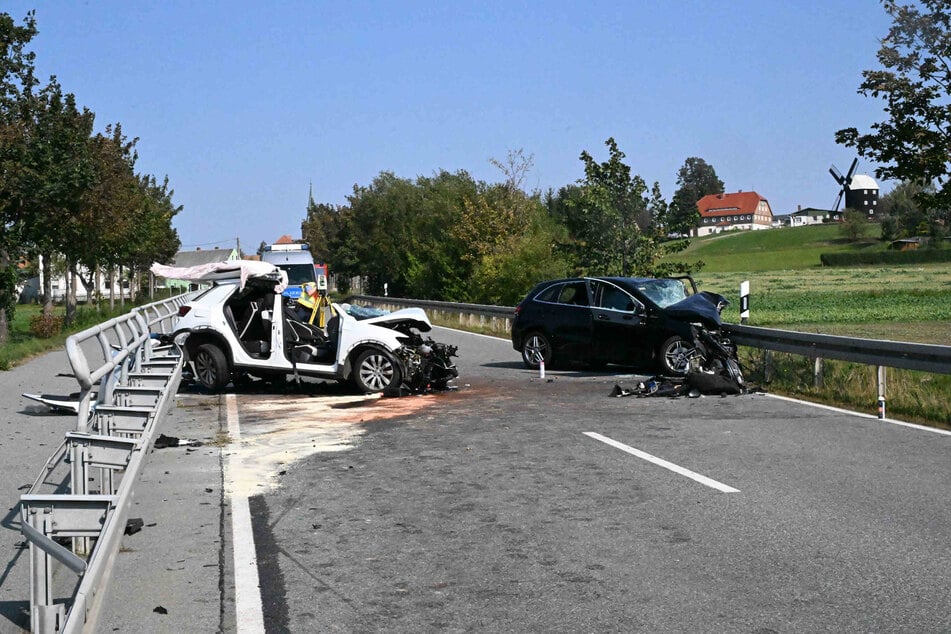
point(244, 105)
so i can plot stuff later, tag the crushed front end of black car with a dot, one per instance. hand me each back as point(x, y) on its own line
point(712, 365)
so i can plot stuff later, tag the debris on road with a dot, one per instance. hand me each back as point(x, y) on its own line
point(133, 525)
point(65, 404)
point(163, 442)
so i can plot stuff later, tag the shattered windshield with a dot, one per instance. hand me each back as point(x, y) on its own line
point(665, 292)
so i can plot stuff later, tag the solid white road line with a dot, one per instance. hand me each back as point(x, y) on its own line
point(719, 486)
point(890, 421)
point(249, 615)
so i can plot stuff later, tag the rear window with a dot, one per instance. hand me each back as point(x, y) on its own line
point(550, 294)
point(574, 293)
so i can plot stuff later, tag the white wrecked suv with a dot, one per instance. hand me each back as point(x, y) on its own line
point(242, 326)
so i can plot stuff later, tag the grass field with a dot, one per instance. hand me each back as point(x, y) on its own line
point(790, 289)
point(23, 345)
point(807, 297)
point(788, 248)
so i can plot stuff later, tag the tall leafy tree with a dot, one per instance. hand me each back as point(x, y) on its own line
point(618, 225)
point(321, 229)
point(695, 179)
point(606, 214)
point(57, 176)
point(17, 82)
point(913, 143)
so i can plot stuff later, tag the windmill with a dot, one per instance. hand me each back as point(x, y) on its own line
point(844, 181)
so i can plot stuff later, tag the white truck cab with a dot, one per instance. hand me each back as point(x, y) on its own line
point(295, 260)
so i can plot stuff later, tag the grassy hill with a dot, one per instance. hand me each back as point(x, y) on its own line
point(790, 287)
point(774, 249)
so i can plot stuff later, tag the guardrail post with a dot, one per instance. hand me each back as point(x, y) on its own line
point(767, 365)
point(881, 391)
point(44, 615)
point(817, 373)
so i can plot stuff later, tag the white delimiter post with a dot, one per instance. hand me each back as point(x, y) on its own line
point(744, 301)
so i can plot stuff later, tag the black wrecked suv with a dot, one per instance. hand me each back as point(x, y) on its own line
point(644, 322)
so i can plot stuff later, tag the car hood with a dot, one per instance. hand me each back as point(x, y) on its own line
point(410, 317)
point(704, 306)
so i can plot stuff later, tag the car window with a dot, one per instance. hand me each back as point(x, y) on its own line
point(574, 293)
point(612, 298)
point(550, 294)
point(663, 292)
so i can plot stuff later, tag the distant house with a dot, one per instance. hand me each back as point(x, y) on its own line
point(740, 211)
point(812, 216)
point(197, 258)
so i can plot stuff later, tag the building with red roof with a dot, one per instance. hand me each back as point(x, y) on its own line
point(740, 211)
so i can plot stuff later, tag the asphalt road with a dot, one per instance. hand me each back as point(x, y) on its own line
point(500, 507)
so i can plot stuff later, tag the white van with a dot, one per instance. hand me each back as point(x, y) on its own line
point(296, 261)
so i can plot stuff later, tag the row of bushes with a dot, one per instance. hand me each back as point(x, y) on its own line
point(915, 256)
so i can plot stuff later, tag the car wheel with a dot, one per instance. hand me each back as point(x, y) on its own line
point(535, 348)
point(674, 356)
point(375, 371)
point(211, 367)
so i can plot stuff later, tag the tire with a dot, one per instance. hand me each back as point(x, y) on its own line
point(536, 347)
point(211, 367)
point(375, 371)
point(674, 356)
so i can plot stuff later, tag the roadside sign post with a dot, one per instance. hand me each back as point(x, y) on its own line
point(744, 301)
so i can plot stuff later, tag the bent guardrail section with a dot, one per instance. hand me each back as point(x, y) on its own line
point(74, 514)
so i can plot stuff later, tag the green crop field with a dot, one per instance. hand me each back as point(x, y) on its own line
point(789, 288)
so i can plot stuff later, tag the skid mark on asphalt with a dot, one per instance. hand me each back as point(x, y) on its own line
point(276, 431)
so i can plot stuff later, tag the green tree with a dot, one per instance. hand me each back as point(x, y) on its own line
point(17, 82)
point(853, 225)
point(695, 179)
point(902, 214)
point(57, 177)
point(914, 142)
point(618, 226)
point(511, 238)
point(607, 213)
point(321, 229)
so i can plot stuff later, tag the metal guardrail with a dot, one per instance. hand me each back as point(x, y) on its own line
point(892, 354)
point(877, 352)
point(495, 317)
point(77, 521)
